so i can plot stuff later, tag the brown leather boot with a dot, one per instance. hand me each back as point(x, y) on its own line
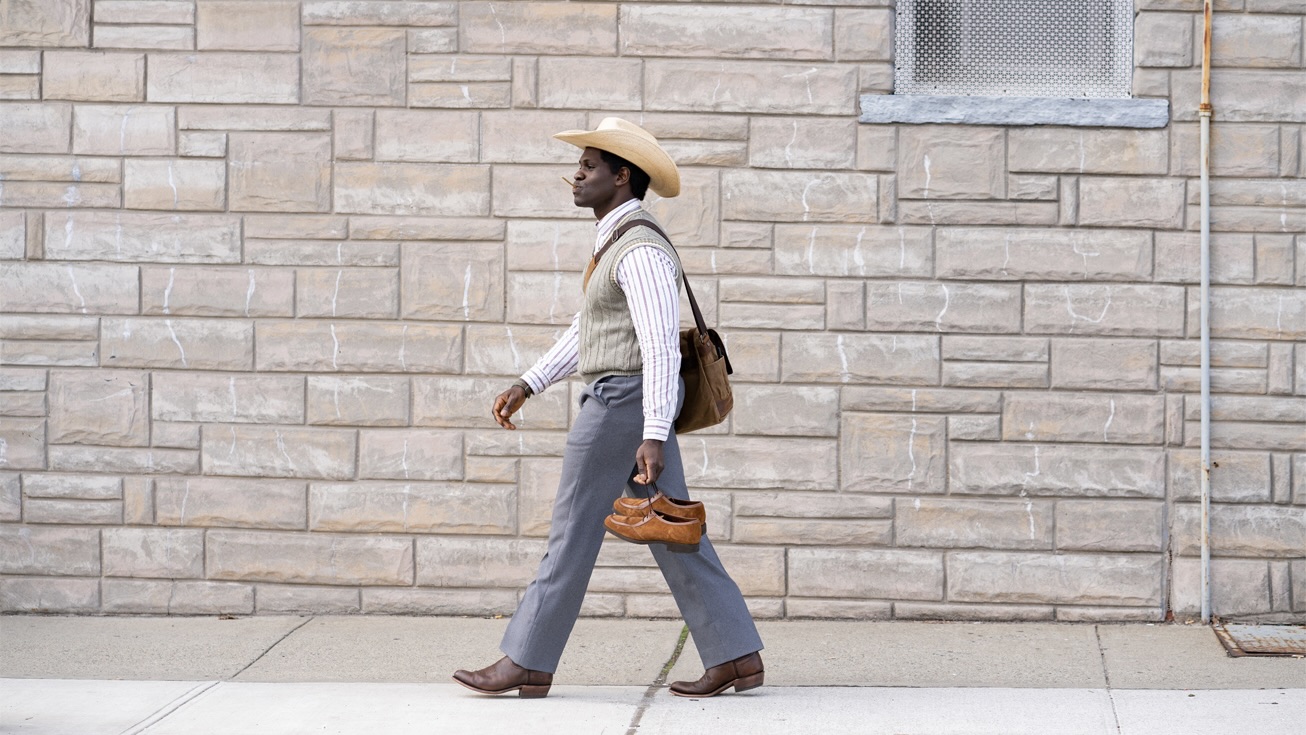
point(504, 676)
point(743, 673)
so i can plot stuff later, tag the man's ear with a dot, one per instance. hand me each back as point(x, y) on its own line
point(623, 176)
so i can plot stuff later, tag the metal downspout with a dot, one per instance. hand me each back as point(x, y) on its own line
point(1204, 112)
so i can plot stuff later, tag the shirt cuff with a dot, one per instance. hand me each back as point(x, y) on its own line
point(657, 429)
point(537, 385)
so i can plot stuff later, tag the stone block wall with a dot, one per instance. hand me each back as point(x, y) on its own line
point(265, 263)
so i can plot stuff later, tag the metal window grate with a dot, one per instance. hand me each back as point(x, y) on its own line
point(1014, 48)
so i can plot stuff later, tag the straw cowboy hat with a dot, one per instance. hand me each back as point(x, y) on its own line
point(635, 144)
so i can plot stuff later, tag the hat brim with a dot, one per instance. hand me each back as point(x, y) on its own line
point(664, 177)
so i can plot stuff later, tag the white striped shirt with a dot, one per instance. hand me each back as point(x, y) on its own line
point(648, 277)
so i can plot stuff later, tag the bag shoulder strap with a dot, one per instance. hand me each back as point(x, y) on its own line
point(629, 225)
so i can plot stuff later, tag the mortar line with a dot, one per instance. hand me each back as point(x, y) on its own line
point(1106, 675)
point(661, 679)
point(162, 713)
point(269, 648)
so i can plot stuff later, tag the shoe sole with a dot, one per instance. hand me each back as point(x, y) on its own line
point(524, 691)
point(742, 684)
point(674, 548)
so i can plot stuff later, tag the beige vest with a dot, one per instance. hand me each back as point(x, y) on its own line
point(608, 345)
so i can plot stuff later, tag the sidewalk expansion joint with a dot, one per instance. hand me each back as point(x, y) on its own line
point(658, 682)
point(1106, 676)
point(167, 709)
point(269, 648)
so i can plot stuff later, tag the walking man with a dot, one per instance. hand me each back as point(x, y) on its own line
point(625, 345)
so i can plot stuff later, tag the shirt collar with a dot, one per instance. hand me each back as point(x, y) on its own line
point(609, 222)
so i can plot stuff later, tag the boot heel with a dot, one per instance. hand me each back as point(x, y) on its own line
point(533, 691)
point(682, 548)
point(752, 681)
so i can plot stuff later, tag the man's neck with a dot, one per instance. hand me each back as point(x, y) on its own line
point(606, 209)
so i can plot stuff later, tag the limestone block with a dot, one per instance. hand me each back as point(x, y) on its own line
point(272, 172)
point(812, 531)
point(455, 562)
point(107, 407)
point(1250, 408)
point(230, 78)
point(20, 61)
point(515, 136)
point(465, 96)
point(1256, 313)
point(987, 349)
point(13, 236)
point(229, 502)
point(1236, 150)
point(1279, 376)
point(706, 152)
point(799, 196)
point(692, 219)
point(425, 228)
point(23, 404)
point(772, 290)
point(1131, 202)
point(802, 143)
point(536, 491)
point(1043, 255)
point(142, 12)
point(459, 69)
point(982, 576)
point(850, 250)
point(81, 512)
point(1242, 530)
point(153, 552)
point(176, 435)
point(1102, 525)
point(353, 133)
point(115, 130)
point(786, 411)
point(789, 504)
point(1084, 150)
point(1040, 469)
point(1163, 40)
point(974, 428)
point(60, 354)
point(481, 603)
point(1104, 364)
point(362, 293)
point(353, 13)
point(129, 236)
point(1118, 418)
point(264, 556)
point(410, 454)
point(727, 32)
point(914, 306)
point(373, 507)
point(254, 118)
point(587, 83)
point(538, 28)
point(1281, 95)
point(202, 145)
point(1231, 435)
point(490, 469)
point(320, 252)
point(11, 497)
point(357, 400)
point(988, 524)
point(177, 184)
point(500, 350)
point(1118, 310)
point(892, 453)
point(167, 38)
point(1238, 587)
point(454, 281)
point(868, 358)
point(1274, 259)
point(361, 347)
point(1178, 258)
point(34, 127)
point(877, 147)
point(948, 162)
point(756, 462)
point(198, 344)
point(534, 191)
point(217, 292)
point(548, 245)
point(42, 327)
point(1256, 40)
point(44, 595)
point(257, 451)
point(525, 78)
point(937, 212)
point(845, 307)
point(30, 194)
point(34, 23)
point(186, 597)
point(73, 458)
point(866, 573)
point(995, 374)
point(68, 288)
point(355, 66)
point(1031, 186)
point(863, 34)
point(22, 444)
point(244, 26)
point(405, 135)
point(94, 76)
point(543, 298)
point(299, 599)
point(499, 443)
point(460, 402)
point(49, 550)
point(216, 398)
point(749, 86)
point(412, 188)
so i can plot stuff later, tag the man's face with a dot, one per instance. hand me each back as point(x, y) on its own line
point(594, 184)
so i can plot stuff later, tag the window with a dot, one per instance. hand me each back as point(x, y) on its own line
point(1072, 49)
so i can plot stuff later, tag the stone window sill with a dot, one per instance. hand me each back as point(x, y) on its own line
point(1097, 113)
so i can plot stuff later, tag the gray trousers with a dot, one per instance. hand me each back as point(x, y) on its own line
point(598, 464)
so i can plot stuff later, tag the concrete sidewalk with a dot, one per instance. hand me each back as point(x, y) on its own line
point(274, 675)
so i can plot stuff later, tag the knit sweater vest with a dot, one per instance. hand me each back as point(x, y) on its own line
point(608, 344)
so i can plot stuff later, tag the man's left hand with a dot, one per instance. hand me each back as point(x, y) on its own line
point(648, 462)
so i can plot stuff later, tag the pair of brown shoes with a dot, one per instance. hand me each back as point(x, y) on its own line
point(677, 523)
point(504, 676)
point(744, 673)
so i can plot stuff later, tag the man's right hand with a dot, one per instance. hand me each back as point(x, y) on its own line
point(507, 404)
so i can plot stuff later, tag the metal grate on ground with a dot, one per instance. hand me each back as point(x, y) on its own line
point(1262, 640)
